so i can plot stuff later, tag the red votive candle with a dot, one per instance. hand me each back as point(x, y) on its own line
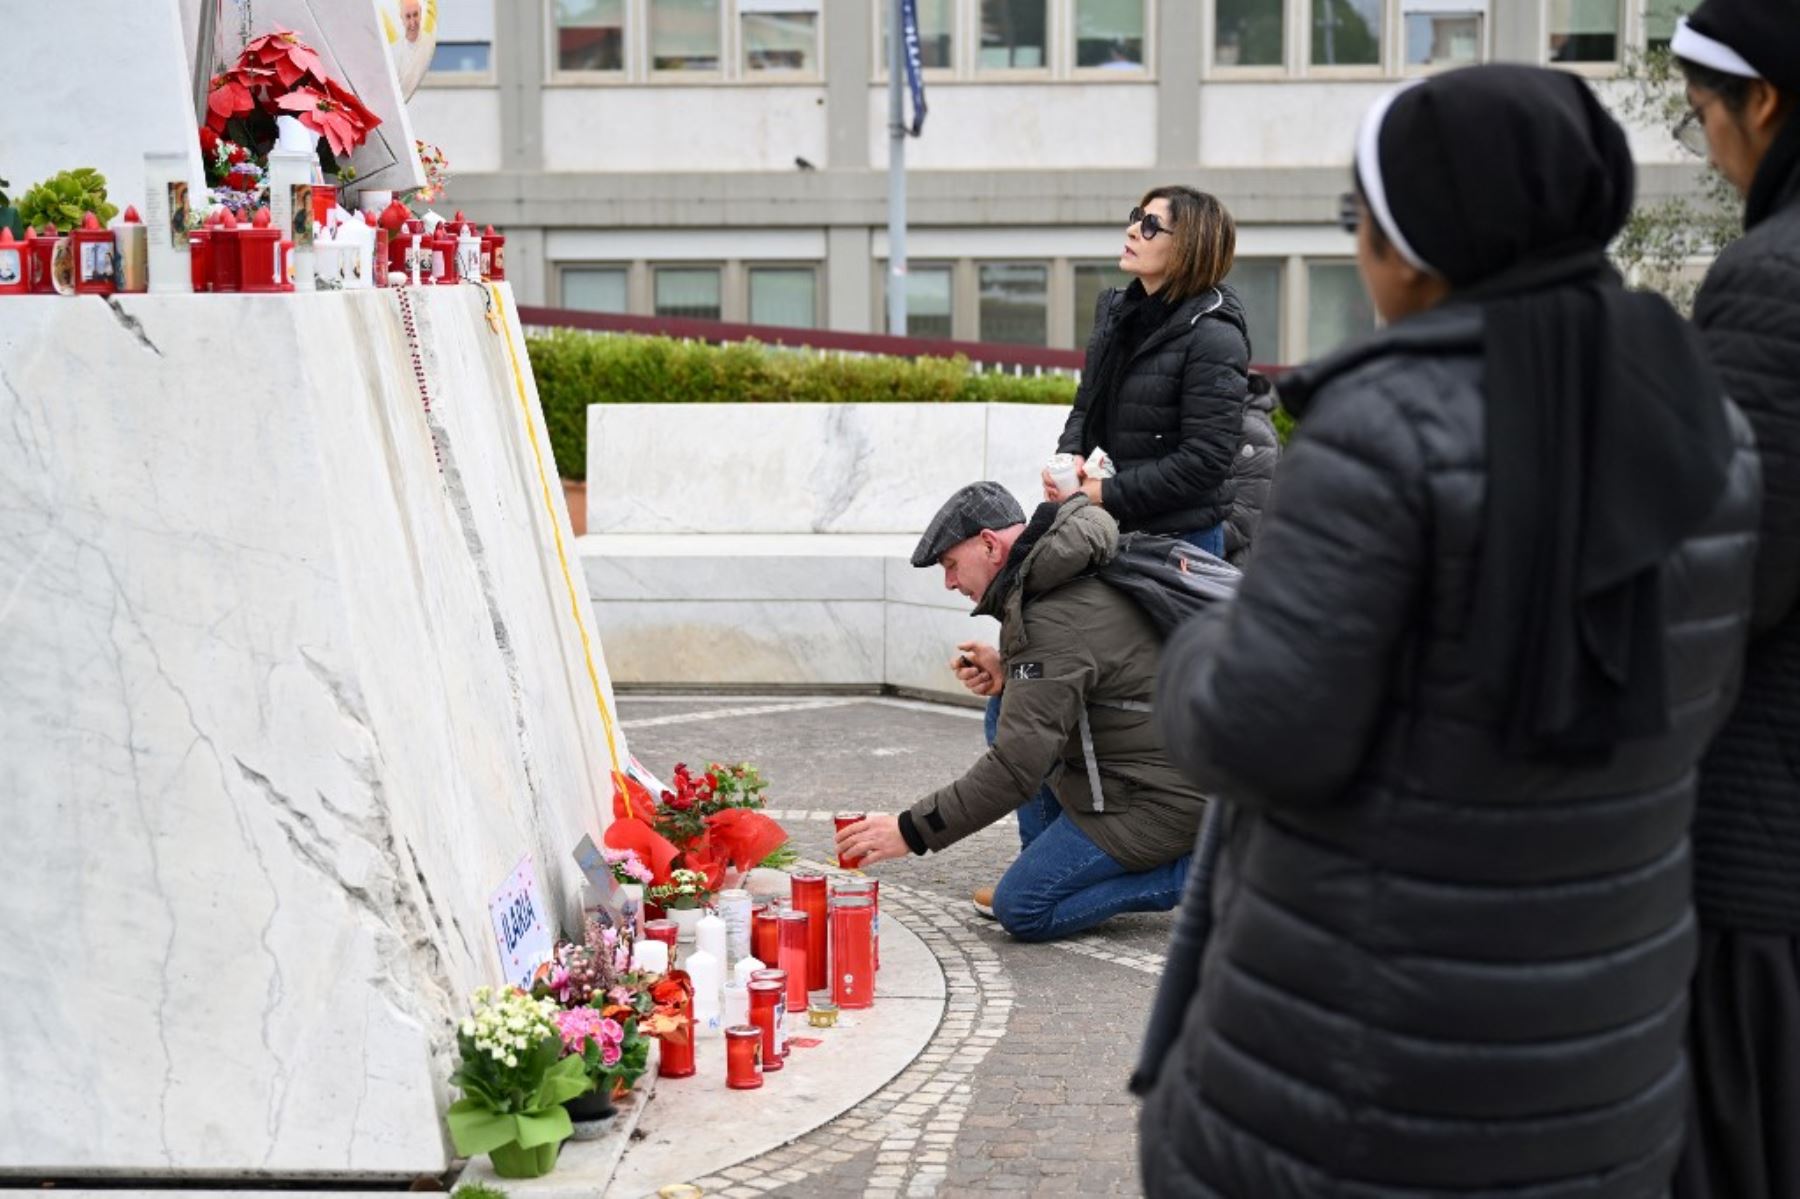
point(780, 979)
point(853, 952)
point(765, 934)
point(809, 897)
point(869, 888)
point(842, 821)
point(743, 1057)
point(766, 1014)
point(796, 955)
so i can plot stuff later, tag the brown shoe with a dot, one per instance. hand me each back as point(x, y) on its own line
point(984, 902)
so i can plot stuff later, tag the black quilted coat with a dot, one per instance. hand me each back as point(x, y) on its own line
point(1177, 418)
point(1747, 831)
point(1435, 969)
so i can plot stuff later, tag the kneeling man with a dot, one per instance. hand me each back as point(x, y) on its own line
point(1078, 665)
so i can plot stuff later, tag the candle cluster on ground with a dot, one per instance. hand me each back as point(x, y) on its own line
point(824, 964)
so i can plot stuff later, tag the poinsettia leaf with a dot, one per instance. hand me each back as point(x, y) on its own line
point(545, 1127)
point(477, 1129)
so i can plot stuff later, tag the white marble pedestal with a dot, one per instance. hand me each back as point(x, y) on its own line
point(292, 675)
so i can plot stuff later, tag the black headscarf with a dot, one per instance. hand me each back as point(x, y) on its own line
point(1607, 438)
point(1140, 314)
point(1754, 39)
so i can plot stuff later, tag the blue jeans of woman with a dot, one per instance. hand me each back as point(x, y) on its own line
point(1062, 882)
point(1211, 540)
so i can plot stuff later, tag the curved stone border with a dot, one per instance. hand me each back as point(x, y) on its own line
point(912, 1122)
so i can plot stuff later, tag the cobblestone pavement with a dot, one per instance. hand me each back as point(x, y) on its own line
point(1022, 1090)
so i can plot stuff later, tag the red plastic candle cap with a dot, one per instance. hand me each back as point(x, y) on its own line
point(6, 237)
point(490, 231)
point(229, 220)
point(261, 219)
point(131, 215)
point(90, 221)
point(394, 215)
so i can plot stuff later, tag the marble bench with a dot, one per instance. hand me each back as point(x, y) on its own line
point(768, 544)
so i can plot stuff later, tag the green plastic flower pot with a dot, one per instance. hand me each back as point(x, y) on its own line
point(510, 1161)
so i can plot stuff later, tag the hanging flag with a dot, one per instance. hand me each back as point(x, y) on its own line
point(915, 72)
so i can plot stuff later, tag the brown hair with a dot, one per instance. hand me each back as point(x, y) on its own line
point(1205, 240)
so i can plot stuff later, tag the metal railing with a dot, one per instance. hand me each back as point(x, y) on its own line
point(988, 356)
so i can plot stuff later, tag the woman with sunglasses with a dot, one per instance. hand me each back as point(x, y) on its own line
point(1741, 59)
point(1167, 374)
point(1455, 711)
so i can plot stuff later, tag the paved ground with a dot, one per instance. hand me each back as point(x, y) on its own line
point(1023, 1088)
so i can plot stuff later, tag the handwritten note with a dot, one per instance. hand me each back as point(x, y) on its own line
point(520, 926)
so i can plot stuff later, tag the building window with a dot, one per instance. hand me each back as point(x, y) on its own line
point(1443, 33)
point(1346, 33)
point(1015, 303)
point(1584, 30)
point(785, 296)
point(1013, 34)
point(1109, 34)
point(595, 289)
point(1257, 282)
point(782, 35)
point(1659, 21)
point(688, 291)
point(590, 35)
point(1248, 33)
point(465, 38)
point(1337, 308)
point(684, 35)
point(929, 306)
point(1092, 278)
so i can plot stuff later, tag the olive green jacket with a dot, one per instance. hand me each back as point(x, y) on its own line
point(1070, 642)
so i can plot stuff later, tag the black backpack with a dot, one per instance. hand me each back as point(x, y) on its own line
point(1169, 578)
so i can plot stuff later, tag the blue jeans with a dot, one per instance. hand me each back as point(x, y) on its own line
point(1211, 540)
point(1062, 882)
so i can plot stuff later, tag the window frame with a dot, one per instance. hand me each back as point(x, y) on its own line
point(1069, 12)
point(743, 74)
point(971, 21)
point(821, 307)
point(1630, 35)
point(719, 267)
point(461, 79)
point(563, 268)
point(1420, 70)
point(1297, 44)
point(1048, 265)
point(556, 75)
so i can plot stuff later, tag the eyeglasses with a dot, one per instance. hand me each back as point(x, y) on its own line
point(1690, 131)
point(1149, 225)
point(1349, 213)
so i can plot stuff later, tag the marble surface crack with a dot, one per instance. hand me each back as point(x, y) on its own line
point(132, 325)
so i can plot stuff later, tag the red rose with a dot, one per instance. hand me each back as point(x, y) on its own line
point(238, 154)
point(209, 144)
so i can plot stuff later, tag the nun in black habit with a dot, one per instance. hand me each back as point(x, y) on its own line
point(1454, 712)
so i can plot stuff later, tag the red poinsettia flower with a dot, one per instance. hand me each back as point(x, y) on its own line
point(321, 114)
point(237, 181)
point(230, 97)
point(290, 59)
point(353, 104)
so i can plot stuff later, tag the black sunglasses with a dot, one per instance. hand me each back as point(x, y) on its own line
point(1148, 224)
point(1349, 213)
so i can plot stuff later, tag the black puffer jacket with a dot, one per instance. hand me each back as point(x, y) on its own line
point(1436, 969)
point(1178, 416)
point(1253, 474)
point(1747, 830)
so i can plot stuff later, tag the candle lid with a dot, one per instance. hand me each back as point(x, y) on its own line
point(743, 1032)
point(490, 232)
point(765, 985)
point(131, 216)
point(229, 220)
point(394, 215)
point(6, 237)
point(90, 221)
point(261, 219)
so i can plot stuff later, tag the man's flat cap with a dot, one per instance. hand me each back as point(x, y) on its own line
point(985, 505)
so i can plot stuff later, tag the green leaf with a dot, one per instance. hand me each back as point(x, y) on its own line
point(476, 1129)
point(563, 1081)
point(541, 1128)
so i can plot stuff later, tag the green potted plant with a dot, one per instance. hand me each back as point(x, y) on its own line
point(514, 1080)
point(64, 198)
point(683, 899)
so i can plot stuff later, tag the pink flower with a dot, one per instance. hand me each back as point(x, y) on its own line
point(578, 1026)
point(610, 1054)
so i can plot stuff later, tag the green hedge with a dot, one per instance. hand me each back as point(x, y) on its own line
point(575, 369)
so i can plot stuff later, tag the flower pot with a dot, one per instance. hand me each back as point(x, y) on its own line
point(510, 1161)
point(595, 1105)
point(685, 919)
